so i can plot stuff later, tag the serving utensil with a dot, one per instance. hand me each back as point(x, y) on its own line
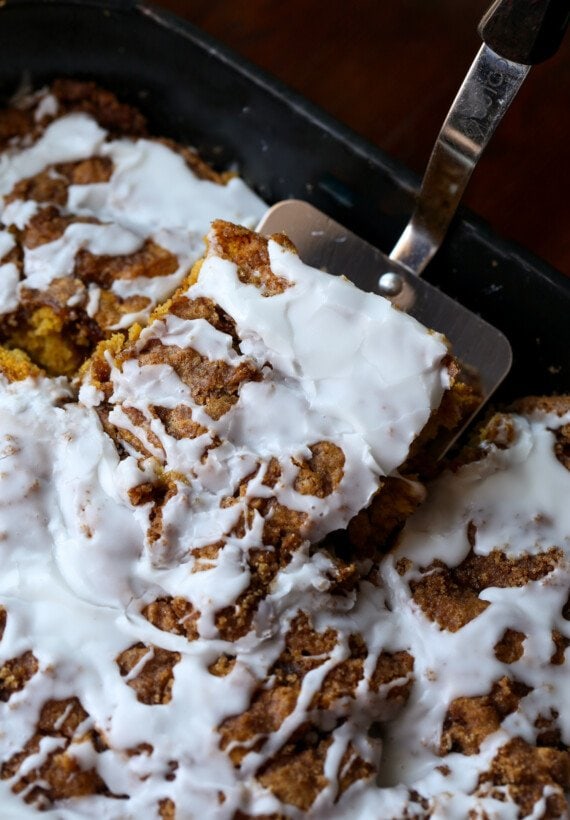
point(516, 34)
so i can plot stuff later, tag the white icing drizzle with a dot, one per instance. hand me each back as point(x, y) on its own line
point(7, 242)
point(366, 405)
point(48, 106)
point(517, 499)
point(56, 259)
point(9, 275)
point(93, 549)
point(152, 194)
point(68, 139)
point(9, 280)
point(72, 568)
point(74, 573)
point(19, 212)
point(153, 189)
point(361, 364)
point(76, 567)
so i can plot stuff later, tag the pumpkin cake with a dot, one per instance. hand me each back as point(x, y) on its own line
point(228, 589)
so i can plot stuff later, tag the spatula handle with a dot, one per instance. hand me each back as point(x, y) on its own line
point(525, 31)
point(487, 91)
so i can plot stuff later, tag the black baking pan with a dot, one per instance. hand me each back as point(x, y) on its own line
point(199, 92)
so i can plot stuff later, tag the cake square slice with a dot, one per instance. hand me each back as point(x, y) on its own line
point(266, 383)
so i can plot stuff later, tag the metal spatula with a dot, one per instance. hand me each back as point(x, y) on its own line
point(516, 35)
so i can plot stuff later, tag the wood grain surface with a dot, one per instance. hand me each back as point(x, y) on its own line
point(390, 68)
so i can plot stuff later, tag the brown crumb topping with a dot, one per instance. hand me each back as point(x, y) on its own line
point(204, 308)
point(249, 252)
point(117, 117)
point(166, 809)
point(51, 185)
point(393, 666)
point(175, 615)
point(451, 596)
point(305, 649)
point(469, 720)
point(561, 644)
point(59, 776)
point(150, 261)
point(14, 123)
point(153, 681)
point(526, 771)
point(373, 529)
point(158, 494)
point(178, 422)
point(15, 674)
point(213, 384)
point(322, 473)
point(509, 648)
point(222, 666)
point(283, 532)
point(48, 224)
point(295, 775)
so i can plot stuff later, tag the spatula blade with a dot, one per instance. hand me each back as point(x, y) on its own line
point(323, 243)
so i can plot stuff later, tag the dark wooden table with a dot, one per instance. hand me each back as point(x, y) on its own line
point(390, 68)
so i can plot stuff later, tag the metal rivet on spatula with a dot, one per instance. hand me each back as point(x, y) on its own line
point(390, 284)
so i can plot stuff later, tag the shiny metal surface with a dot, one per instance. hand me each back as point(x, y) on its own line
point(325, 244)
point(390, 284)
point(484, 352)
point(484, 97)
